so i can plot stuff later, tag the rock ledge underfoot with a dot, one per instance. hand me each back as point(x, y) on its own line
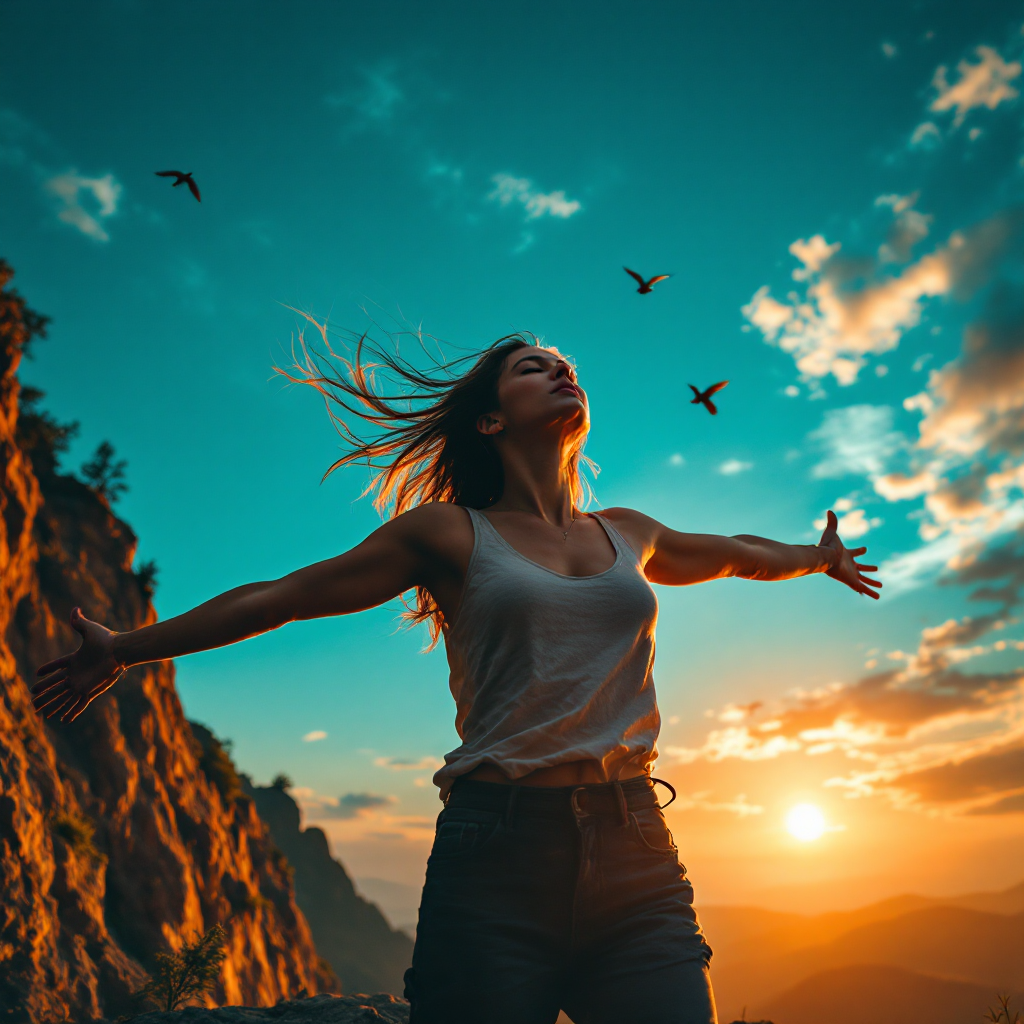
point(322, 1009)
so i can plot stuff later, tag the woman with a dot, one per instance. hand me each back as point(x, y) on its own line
point(553, 881)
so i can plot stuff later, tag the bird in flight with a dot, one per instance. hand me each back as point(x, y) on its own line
point(704, 397)
point(183, 179)
point(646, 286)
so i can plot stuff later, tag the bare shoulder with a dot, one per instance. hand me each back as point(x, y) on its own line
point(436, 528)
point(639, 530)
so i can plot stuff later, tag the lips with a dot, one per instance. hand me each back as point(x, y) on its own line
point(571, 389)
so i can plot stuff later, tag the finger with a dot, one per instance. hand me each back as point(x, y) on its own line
point(78, 621)
point(45, 705)
point(74, 710)
point(48, 683)
point(870, 582)
point(831, 522)
point(865, 568)
point(51, 665)
point(856, 552)
point(58, 706)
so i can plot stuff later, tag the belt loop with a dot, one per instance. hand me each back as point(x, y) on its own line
point(510, 806)
point(621, 797)
point(668, 786)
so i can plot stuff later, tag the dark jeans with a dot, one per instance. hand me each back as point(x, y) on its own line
point(543, 899)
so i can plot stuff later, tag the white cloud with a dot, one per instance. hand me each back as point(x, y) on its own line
point(890, 50)
point(376, 102)
point(314, 736)
point(100, 194)
point(984, 84)
point(733, 466)
point(835, 324)
point(925, 136)
point(676, 459)
point(508, 190)
point(903, 486)
point(813, 254)
point(857, 439)
point(408, 764)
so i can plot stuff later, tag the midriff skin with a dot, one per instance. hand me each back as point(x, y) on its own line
point(573, 773)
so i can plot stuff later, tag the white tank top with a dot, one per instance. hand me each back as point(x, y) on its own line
point(548, 669)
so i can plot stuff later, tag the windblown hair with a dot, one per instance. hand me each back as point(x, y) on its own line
point(426, 445)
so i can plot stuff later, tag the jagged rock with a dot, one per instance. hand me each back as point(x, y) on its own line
point(350, 933)
point(322, 1009)
point(114, 843)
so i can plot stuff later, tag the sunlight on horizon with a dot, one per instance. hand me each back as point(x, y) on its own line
point(806, 823)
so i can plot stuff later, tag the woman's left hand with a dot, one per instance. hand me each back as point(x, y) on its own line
point(846, 570)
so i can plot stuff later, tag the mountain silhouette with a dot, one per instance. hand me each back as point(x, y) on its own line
point(874, 994)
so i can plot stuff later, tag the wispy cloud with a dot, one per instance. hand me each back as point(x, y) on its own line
point(315, 736)
point(733, 466)
point(984, 83)
point(316, 806)
point(856, 440)
point(376, 101)
point(853, 307)
point(85, 202)
point(509, 190)
point(927, 734)
point(408, 764)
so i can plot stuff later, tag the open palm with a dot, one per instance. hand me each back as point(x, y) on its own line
point(846, 569)
point(70, 683)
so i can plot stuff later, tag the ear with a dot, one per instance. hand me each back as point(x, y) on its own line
point(490, 424)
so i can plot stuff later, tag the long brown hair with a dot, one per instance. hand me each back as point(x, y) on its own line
point(427, 446)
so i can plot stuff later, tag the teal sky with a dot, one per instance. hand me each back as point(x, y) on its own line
point(476, 169)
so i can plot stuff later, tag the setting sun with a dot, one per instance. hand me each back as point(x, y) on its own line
point(805, 822)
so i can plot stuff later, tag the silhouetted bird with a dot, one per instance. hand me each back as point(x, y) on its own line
point(645, 286)
point(183, 179)
point(704, 397)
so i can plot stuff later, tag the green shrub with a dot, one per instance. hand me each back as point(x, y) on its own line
point(216, 764)
point(282, 781)
point(191, 972)
point(77, 831)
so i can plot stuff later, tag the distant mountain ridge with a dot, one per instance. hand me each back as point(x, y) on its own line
point(350, 933)
point(763, 956)
point(873, 994)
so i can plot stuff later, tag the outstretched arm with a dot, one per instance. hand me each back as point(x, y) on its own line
point(390, 561)
point(678, 559)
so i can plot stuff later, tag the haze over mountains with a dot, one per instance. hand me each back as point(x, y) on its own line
point(945, 958)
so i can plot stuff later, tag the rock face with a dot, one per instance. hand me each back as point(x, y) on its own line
point(382, 1009)
point(350, 933)
point(118, 839)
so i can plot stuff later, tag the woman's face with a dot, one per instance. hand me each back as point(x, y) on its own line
point(538, 389)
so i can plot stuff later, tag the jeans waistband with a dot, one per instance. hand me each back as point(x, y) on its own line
point(605, 799)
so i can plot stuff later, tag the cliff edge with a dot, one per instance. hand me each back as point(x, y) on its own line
point(115, 842)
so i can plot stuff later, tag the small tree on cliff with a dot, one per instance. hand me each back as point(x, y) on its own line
point(192, 971)
point(105, 474)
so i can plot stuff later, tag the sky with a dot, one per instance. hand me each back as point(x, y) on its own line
point(837, 192)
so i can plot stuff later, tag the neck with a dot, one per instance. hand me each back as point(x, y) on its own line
point(537, 482)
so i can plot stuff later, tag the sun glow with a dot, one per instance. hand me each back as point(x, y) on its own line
point(806, 823)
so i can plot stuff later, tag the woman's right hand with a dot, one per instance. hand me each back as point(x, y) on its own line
point(72, 682)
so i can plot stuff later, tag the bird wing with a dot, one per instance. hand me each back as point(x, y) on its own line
point(654, 280)
point(716, 387)
point(193, 188)
point(169, 174)
point(636, 277)
point(711, 407)
point(696, 394)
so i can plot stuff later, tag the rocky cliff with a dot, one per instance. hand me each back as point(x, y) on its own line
point(118, 838)
point(350, 933)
